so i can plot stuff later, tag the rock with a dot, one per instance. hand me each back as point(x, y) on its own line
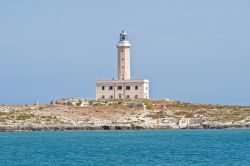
point(190, 123)
point(72, 101)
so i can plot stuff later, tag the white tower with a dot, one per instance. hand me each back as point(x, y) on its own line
point(123, 57)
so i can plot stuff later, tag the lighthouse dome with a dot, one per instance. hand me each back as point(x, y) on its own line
point(123, 39)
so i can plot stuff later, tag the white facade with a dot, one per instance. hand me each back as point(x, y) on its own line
point(124, 87)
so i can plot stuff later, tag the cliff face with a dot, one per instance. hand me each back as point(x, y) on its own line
point(136, 114)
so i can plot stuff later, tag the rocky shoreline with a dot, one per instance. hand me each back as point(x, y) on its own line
point(87, 128)
point(116, 127)
point(65, 128)
point(122, 115)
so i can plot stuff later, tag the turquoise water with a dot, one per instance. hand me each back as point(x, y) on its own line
point(146, 147)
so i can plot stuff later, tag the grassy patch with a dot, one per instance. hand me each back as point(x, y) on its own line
point(2, 120)
point(24, 116)
point(3, 113)
point(158, 115)
point(148, 106)
point(186, 114)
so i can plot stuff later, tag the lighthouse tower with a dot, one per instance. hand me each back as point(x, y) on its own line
point(124, 87)
point(123, 57)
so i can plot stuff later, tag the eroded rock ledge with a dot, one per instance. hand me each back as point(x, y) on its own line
point(131, 127)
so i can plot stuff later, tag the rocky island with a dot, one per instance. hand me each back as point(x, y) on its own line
point(79, 114)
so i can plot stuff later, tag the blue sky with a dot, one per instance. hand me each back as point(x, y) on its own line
point(194, 51)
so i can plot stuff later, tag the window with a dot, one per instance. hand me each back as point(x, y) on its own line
point(136, 96)
point(122, 67)
point(103, 87)
point(127, 87)
point(120, 96)
point(110, 87)
point(103, 97)
point(127, 96)
point(119, 88)
point(146, 88)
point(111, 97)
point(136, 87)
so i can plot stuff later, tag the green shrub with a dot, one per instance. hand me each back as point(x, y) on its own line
point(79, 103)
point(135, 104)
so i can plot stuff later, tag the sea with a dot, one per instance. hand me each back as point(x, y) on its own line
point(118, 148)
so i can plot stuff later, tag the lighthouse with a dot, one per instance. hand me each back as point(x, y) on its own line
point(123, 51)
point(123, 87)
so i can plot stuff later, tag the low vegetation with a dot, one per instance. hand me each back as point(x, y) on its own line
point(119, 111)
